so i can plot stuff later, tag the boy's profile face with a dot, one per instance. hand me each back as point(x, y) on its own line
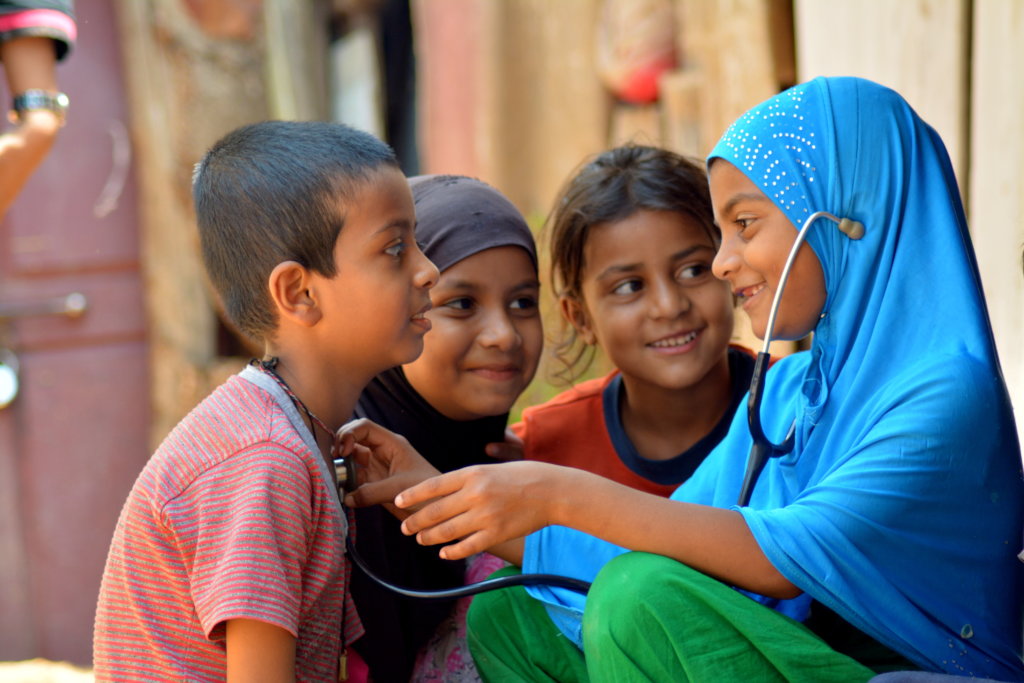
point(374, 307)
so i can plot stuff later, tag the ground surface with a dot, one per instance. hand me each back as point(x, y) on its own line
point(42, 671)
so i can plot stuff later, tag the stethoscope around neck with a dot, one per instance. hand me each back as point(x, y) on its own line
point(764, 448)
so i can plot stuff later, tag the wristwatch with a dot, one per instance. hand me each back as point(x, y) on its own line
point(57, 102)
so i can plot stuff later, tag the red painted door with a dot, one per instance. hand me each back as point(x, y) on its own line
point(76, 435)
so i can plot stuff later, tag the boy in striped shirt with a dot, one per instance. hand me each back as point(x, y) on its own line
point(228, 559)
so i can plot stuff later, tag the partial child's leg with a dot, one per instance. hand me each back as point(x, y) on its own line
point(652, 618)
point(512, 639)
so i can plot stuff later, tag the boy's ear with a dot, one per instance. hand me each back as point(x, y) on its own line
point(290, 290)
point(575, 313)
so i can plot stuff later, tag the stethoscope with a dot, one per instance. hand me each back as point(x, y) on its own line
point(763, 448)
point(345, 481)
point(345, 478)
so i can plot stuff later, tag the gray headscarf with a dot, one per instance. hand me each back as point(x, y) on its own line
point(459, 216)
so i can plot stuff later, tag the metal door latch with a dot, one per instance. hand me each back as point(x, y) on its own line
point(72, 306)
point(8, 377)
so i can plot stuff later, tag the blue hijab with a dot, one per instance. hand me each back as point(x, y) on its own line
point(900, 506)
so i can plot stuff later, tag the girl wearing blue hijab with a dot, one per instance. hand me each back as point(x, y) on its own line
point(897, 515)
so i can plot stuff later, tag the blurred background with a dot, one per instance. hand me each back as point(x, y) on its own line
point(105, 313)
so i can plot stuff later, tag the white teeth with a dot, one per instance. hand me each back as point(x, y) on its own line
point(752, 292)
point(675, 341)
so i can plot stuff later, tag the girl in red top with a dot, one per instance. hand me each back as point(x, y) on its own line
point(632, 239)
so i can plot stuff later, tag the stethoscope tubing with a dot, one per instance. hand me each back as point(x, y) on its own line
point(552, 580)
point(345, 479)
point(763, 448)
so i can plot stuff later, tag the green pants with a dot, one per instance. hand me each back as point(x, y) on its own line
point(511, 638)
point(649, 618)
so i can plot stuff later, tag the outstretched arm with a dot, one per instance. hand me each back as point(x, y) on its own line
point(480, 507)
point(492, 507)
point(29, 64)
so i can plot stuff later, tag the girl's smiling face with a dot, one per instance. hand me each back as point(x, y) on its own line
point(650, 301)
point(756, 239)
point(486, 338)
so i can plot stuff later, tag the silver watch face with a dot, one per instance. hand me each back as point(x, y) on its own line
point(57, 102)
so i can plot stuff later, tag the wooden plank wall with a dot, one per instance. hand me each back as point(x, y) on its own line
point(919, 49)
point(549, 109)
point(193, 72)
point(509, 93)
point(162, 74)
point(735, 54)
point(958, 64)
point(996, 207)
point(740, 51)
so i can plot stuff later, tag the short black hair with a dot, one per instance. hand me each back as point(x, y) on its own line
point(271, 192)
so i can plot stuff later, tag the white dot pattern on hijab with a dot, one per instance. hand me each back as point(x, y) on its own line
point(781, 120)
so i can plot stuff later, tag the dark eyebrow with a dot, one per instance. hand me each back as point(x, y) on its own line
point(461, 284)
point(631, 267)
point(527, 284)
point(617, 269)
point(470, 285)
point(399, 223)
point(737, 198)
point(690, 251)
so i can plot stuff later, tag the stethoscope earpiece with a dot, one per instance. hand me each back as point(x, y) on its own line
point(851, 228)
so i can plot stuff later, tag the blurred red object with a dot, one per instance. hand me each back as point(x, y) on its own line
point(636, 43)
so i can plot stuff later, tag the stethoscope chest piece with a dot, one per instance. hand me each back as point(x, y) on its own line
point(345, 474)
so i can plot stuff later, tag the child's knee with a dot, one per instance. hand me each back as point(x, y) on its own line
point(625, 590)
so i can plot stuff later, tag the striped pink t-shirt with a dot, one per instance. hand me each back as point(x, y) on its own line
point(234, 516)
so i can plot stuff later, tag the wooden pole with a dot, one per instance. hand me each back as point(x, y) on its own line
point(190, 79)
